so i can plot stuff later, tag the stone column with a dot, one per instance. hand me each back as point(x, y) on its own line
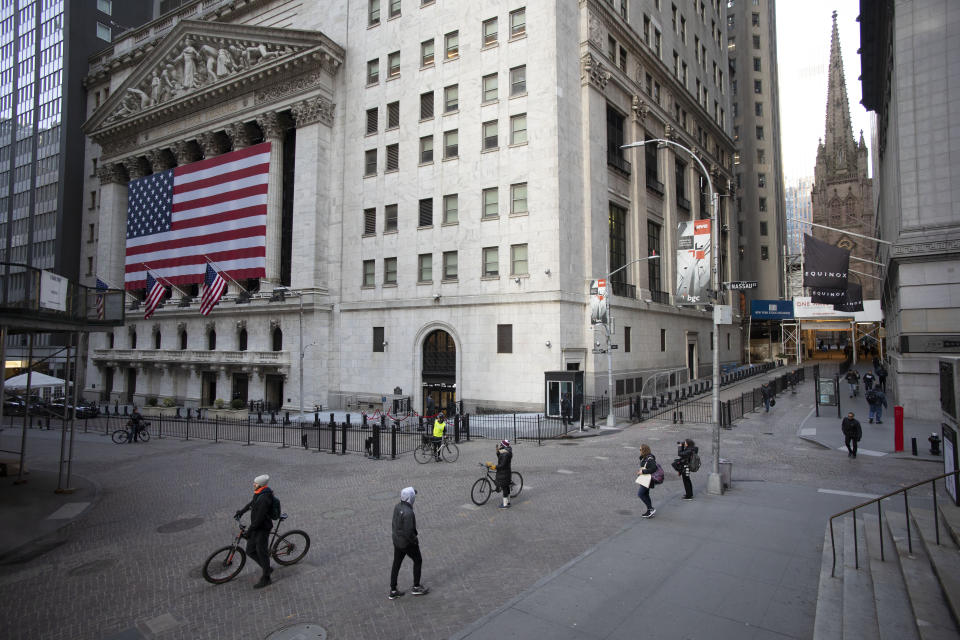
point(273, 133)
point(667, 158)
point(113, 224)
point(638, 192)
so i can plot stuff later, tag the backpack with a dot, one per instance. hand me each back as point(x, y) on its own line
point(694, 463)
point(871, 396)
point(657, 476)
point(275, 508)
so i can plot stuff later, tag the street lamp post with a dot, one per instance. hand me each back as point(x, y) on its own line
point(608, 329)
point(713, 483)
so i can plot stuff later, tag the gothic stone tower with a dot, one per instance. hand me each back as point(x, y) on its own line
point(842, 193)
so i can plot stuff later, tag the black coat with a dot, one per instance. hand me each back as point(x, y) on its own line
point(648, 464)
point(851, 428)
point(504, 459)
point(259, 508)
point(404, 526)
point(684, 455)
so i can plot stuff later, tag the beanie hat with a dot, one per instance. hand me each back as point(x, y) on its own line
point(262, 480)
point(408, 495)
point(504, 443)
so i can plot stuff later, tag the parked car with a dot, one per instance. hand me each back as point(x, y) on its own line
point(84, 409)
point(15, 405)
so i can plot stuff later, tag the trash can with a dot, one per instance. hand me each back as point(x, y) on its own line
point(726, 473)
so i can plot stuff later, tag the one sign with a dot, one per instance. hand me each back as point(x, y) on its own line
point(599, 304)
point(53, 291)
point(771, 309)
point(693, 261)
point(723, 314)
point(803, 307)
point(742, 284)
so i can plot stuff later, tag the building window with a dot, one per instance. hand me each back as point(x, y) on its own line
point(241, 340)
point(653, 171)
point(393, 115)
point(89, 265)
point(518, 260)
point(518, 129)
point(518, 198)
point(426, 213)
point(518, 80)
point(389, 271)
point(105, 6)
point(490, 135)
point(450, 144)
point(489, 32)
point(518, 23)
point(626, 339)
point(763, 228)
point(372, 120)
point(761, 156)
point(373, 71)
point(612, 49)
point(370, 162)
point(110, 338)
point(93, 200)
point(663, 339)
point(491, 202)
point(755, 19)
point(390, 218)
point(491, 262)
point(394, 8)
point(761, 180)
point(758, 110)
point(764, 253)
point(369, 272)
point(393, 157)
point(489, 88)
point(504, 338)
point(393, 65)
point(426, 53)
point(449, 265)
point(681, 179)
point(623, 59)
point(378, 339)
point(103, 32)
point(450, 209)
point(657, 43)
point(653, 248)
point(91, 232)
point(426, 105)
point(277, 339)
point(425, 267)
point(756, 64)
point(756, 42)
point(212, 340)
point(369, 222)
point(451, 98)
point(426, 150)
point(759, 133)
point(762, 204)
point(452, 45)
point(373, 13)
point(617, 230)
point(133, 339)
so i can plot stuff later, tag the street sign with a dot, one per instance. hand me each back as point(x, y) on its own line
point(742, 284)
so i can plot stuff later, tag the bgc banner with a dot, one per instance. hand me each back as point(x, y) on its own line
point(693, 262)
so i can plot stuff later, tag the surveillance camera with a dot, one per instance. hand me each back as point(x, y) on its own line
point(436, 296)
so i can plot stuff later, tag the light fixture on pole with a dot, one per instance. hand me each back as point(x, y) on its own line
point(713, 483)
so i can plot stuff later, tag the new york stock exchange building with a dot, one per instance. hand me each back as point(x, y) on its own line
point(409, 204)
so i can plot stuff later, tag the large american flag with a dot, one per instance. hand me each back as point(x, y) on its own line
point(215, 209)
point(213, 286)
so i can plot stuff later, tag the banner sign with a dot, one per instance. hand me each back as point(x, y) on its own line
point(853, 301)
point(824, 265)
point(803, 307)
point(693, 261)
point(743, 284)
point(53, 291)
point(599, 304)
point(827, 296)
point(771, 309)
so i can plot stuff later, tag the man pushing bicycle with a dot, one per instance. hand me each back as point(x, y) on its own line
point(439, 427)
point(260, 524)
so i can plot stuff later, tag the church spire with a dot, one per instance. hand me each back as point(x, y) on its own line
point(840, 146)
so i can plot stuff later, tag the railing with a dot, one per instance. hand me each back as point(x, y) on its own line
point(624, 289)
point(906, 507)
point(660, 297)
point(29, 294)
point(616, 160)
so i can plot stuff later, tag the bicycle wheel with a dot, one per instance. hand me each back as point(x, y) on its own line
point(144, 436)
point(516, 484)
point(450, 452)
point(119, 436)
point(481, 491)
point(224, 564)
point(423, 453)
point(290, 547)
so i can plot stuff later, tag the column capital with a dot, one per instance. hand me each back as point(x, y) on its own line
point(112, 173)
point(313, 110)
point(183, 152)
point(208, 142)
point(640, 109)
point(159, 160)
point(270, 124)
point(133, 167)
point(239, 135)
point(593, 72)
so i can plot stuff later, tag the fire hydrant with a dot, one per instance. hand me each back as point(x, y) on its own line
point(934, 444)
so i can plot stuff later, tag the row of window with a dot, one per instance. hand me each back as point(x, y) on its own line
point(276, 340)
point(489, 207)
point(517, 20)
point(490, 141)
point(489, 266)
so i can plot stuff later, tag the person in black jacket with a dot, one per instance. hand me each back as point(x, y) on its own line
point(767, 393)
point(685, 452)
point(504, 459)
point(406, 543)
point(648, 464)
point(852, 432)
point(260, 524)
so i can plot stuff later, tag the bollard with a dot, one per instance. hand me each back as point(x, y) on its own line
point(333, 435)
point(303, 437)
point(376, 441)
point(913, 445)
point(898, 428)
point(393, 441)
point(343, 436)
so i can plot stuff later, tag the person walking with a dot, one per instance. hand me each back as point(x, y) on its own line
point(566, 411)
point(687, 450)
point(767, 394)
point(852, 432)
point(853, 379)
point(648, 466)
point(882, 378)
point(504, 460)
point(406, 543)
point(868, 381)
point(439, 427)
point(878, 401)
point(260, 524)
point(431, 407)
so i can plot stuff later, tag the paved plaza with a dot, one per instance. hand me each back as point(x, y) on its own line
point(571, 559)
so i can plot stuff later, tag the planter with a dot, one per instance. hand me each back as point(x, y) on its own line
point(156, 412)
point(232, 414)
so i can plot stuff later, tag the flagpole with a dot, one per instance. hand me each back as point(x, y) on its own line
point(115, 288)
point(849, 233)
point(167, 282)
point(226, 273)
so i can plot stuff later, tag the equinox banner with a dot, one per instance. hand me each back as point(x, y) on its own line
point(824, 265)
point(853, 301)
point(693, 262)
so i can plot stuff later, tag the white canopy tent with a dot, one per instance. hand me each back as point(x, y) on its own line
point(37, 381)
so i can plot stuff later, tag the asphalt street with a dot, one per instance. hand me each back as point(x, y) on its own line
point(145, 517)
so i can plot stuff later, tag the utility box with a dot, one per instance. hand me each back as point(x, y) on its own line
point(560, 384)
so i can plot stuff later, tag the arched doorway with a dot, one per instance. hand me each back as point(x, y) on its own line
point(439, 372)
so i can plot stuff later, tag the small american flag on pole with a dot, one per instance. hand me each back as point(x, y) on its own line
point(214, 209)
point(101, 288)
point(213, 286)
point(155, 293)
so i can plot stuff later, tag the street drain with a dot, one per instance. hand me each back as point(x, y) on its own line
point(180, 525)
point(303, 631)
point(89, 568)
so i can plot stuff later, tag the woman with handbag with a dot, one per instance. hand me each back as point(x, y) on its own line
point(648, 466)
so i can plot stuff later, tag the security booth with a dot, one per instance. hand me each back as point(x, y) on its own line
point(558, 384)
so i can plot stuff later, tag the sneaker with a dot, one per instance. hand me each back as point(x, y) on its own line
point(688, 497)
point(871, 420)
point(394, 594)
point(420, 590)
point(879, 421)
point(648, 514)
point(264, 581)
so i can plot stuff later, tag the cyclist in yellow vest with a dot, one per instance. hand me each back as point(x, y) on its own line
point(439, 426)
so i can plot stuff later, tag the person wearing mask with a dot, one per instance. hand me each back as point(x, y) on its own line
point(504, 460)
point(686, 450)
point(260, 524)
point(406, 543)
point(439, 427)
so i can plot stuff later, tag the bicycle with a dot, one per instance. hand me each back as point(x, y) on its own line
point(487, 484)
point(121, 436)
point(424, 452)
point(225, 564)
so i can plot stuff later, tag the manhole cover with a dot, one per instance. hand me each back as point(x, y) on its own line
point(338, 513)
point(386, 495)
point(180, 525)
point(304, 631)
point(89, 568)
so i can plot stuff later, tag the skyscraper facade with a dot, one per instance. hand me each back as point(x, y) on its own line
point(799, 209)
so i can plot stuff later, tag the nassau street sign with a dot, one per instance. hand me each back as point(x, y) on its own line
point(743, 284)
